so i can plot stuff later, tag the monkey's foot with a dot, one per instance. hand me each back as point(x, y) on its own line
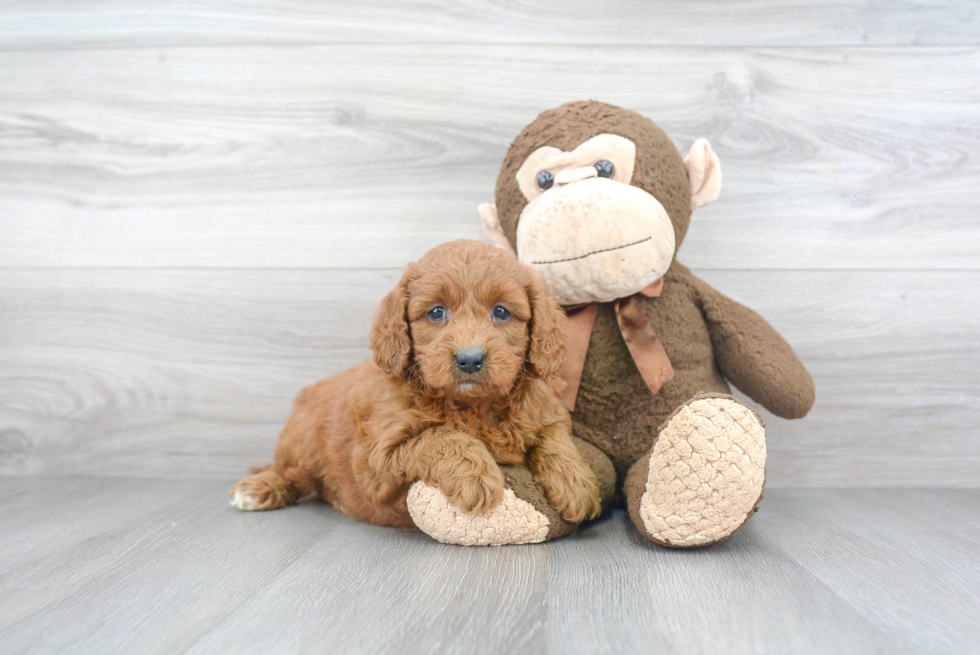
point(523, 517)
point(513, 521)
point(704, 477)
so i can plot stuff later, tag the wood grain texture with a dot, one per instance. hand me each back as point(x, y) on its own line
point(178, 570)
point(904, 558)
point(155, 23)
point(162, 372)
point(366, 155)
point(201, 204)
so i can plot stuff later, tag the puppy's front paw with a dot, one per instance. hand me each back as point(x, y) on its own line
point(474, 489)
point(582, 502)
point(576, 497)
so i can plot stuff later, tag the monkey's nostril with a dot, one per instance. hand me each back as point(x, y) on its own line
point(470, 360)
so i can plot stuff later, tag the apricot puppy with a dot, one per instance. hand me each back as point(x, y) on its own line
point(465, 376)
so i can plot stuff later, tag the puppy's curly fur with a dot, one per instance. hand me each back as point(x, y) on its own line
point(361, 438)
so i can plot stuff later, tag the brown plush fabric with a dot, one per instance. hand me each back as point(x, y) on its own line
point(754, 356)
point(519, 479)
point(707, 336)
point(615, 409)
point(633, 488)
point(697, 325)
point(659, 168)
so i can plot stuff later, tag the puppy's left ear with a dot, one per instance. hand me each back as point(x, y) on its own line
point(549, 330)
point(391, 341)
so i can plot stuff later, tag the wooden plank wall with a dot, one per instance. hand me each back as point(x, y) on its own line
point(201, 204)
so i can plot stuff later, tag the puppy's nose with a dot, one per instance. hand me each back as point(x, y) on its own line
point(470, 360)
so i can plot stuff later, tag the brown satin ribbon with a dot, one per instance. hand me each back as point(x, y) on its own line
point(645, 346)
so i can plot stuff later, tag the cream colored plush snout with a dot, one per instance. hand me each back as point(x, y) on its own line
point(595, 239)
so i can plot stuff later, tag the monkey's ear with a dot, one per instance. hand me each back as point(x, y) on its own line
point(391, 341)
point(704, 172)
point(491, 225)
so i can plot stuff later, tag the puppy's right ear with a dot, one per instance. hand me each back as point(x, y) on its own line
point(391, 342)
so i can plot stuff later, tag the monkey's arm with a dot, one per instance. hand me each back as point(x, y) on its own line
point(756, 359)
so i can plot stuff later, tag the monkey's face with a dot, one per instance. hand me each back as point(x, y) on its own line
point(596, 199)
point(590, 234)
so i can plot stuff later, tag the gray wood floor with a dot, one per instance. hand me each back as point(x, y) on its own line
point(119, 565)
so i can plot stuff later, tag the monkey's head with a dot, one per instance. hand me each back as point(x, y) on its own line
point(596, 199)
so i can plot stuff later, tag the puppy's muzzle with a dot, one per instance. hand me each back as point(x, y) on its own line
point(470, 360)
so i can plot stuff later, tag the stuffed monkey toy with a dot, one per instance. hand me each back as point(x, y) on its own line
point(597, 199)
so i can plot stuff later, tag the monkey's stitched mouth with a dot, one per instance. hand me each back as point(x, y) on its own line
point(595, 252)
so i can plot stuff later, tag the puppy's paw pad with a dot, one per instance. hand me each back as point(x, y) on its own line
point(245, 502)
point(513, 521)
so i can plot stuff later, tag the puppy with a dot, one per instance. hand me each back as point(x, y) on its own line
point(465, 376)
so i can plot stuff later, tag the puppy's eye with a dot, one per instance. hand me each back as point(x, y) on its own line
point(545, 180)
point(605, 168)
point(500, 313)
point(437, 314)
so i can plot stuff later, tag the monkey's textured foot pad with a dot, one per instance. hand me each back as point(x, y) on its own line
point(513, 521)
point(704, 477)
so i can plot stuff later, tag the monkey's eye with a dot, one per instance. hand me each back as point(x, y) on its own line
point(605, 168)
point(545, 180)
point(437, 314)
point(500, 313)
